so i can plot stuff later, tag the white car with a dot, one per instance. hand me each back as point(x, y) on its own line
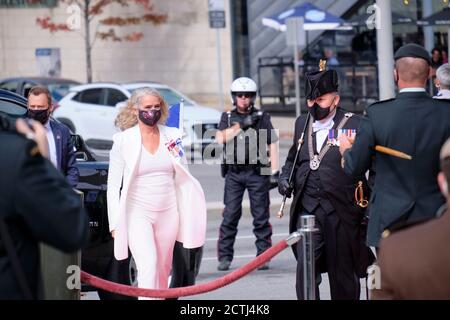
point(90, 110)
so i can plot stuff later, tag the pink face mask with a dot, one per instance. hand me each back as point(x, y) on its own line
point(150, 117)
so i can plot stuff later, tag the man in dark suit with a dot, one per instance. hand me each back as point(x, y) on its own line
point(62, 153)
point(321, 188)
point(405, 191)
point(414, 263)
point(37, 205)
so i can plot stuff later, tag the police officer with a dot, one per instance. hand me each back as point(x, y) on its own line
point(321, 188)
point(37, 205)
point(247, 135)
point(405, 191)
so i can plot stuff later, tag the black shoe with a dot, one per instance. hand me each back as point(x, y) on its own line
point(224, 265)
point(264, 266)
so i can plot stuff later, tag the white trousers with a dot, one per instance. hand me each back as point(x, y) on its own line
point(151, 238)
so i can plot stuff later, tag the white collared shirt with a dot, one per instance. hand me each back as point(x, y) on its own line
point(322, 129)
point(51, 144)
point(418, 89)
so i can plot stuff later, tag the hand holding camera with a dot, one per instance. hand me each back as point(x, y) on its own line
point(35, 131)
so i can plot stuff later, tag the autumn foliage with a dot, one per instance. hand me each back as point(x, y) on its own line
point(96, 8)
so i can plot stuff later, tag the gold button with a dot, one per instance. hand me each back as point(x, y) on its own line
point(386, 233)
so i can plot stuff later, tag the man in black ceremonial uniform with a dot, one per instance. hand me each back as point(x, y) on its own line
point(405, 191)
point(248, 137)
point(37, 204)
point(321, 188)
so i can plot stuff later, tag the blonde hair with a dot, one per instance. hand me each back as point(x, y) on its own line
point(127, 117)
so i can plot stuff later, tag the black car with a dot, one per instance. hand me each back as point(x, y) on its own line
point(58, 87)
point(98, 258)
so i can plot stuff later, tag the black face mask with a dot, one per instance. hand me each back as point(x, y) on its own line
point(150, 117)
point(319, 113)
point(39, 115)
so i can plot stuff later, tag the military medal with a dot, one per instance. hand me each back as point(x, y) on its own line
point(314, 163)
point(315, 159)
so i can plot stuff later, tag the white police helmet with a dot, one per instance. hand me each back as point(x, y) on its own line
point(243, 84)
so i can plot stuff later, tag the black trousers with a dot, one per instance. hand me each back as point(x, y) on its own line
point(258, 187)
point(332, 252)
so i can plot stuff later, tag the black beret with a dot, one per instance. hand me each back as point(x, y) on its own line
point(412, 50)
point(319, 83)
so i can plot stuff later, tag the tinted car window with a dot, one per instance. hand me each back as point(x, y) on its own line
point(59, 90)
point(11, 108)
point(114, 96)
point(92, 96)
point(26, 88)
point(10, 86)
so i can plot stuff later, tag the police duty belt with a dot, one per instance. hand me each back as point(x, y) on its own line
point(315, 159)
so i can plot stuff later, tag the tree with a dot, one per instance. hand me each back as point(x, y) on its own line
point(87, 10)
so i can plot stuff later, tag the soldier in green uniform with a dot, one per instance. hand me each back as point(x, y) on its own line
point(405, 191)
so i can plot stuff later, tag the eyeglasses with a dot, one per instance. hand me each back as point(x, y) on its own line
point(244, 94)
point(152, 107)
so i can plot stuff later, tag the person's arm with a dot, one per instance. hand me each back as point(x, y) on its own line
point(115, 175)
point(357, 158)
point(225, 135)
point(72, 172)
point(50, 208)
point(274, 156)
point(36, 132)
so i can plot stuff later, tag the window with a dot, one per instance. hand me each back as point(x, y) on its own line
point(11, 108)
point(114, 96)
point(10, 86)
point(26, 88)
point(91, 96)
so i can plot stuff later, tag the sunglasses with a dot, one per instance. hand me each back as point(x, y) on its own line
point(244, 94)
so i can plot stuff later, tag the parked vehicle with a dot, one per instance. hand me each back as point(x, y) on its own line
point(90, 110)
point(58, 87)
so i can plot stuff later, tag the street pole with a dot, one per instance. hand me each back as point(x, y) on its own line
point(219, 65)
point(297, 79)
point(295, 36)
point(427, 10)
point(385, 50)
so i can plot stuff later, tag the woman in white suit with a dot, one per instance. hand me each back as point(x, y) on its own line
point(153, 200)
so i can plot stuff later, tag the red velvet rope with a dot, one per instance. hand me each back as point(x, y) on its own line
point(185, 291)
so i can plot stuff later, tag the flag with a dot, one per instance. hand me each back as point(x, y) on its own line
point(175, 118)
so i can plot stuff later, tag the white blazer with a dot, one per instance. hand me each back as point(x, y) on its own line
point(124, 156)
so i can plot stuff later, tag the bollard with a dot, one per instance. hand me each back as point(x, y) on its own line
point(54, 264)
point(309, 275)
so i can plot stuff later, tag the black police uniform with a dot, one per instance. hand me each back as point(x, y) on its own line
point(37, 205)
point(329, 194)
point(405, 191)
point(242, 174)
